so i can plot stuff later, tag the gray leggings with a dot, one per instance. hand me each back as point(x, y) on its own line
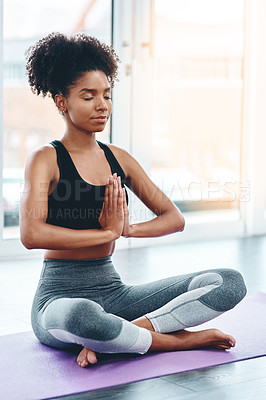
point(84, 302)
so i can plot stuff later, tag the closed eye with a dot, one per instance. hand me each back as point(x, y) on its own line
point(91, 98)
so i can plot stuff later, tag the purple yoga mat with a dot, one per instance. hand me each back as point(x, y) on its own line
point(30, 370)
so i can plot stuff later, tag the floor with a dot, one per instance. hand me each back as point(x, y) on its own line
point(245, 379)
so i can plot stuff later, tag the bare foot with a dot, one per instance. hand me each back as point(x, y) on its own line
point(86, 357)
point(185, 340)
point(182, 340)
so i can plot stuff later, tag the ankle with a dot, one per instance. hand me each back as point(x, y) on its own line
point(162, 341)
point(143, 322)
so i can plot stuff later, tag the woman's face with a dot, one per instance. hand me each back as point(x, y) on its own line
point(88, 104)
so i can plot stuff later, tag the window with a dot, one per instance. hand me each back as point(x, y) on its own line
point(30, 121)
point(197, 91)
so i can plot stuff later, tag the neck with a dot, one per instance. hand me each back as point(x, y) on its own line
point(79, 140)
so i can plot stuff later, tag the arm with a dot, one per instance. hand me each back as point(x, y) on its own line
point(168, 217)
point(35, 232)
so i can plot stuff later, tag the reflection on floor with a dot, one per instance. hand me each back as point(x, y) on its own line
point(245, 380)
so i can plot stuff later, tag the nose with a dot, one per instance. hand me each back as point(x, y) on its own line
point(101, 105)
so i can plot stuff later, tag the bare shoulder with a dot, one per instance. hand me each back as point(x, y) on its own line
point(41, 153)
point(42, 160)
point(125, 159)
point(118, 151)
point(133, 170)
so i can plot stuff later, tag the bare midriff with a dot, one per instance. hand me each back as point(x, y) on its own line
point(100, 251)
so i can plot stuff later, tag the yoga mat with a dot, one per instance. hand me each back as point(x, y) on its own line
point(31, 370)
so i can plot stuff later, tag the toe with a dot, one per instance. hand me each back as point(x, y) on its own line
point(231, 341)
point(82, 356)
point(91, 357)
point(84, 364)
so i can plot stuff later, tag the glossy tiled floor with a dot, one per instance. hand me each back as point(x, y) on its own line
point(243, 380)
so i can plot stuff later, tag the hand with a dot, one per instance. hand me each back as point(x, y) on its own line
point(112, 216)
point(127, 229)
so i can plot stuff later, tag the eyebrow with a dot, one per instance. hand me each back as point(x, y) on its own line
point(93, 90)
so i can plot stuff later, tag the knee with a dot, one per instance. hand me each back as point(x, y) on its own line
point(238, 285)
point(77, 312)
point(229, 293)
point(88, 319)
point(233, 289)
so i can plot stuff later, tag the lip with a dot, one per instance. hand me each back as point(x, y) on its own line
point(101, 119)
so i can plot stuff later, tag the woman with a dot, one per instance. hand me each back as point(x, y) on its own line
point(75, 207)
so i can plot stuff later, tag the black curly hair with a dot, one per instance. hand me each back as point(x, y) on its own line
point(57, 61)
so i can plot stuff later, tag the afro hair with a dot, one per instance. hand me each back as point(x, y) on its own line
point(57, 61)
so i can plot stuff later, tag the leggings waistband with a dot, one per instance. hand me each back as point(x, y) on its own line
point(65, 268)
point(63, 261)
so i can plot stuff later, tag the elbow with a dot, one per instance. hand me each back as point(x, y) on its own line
point(28, 239)
point(27, 242)
point(181, 223)
point(176, 221)
point(29, 246)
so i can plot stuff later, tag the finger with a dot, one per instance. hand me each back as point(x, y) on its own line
point(110, 192)
point(120, 185)
point(124, 199)
point(106, 193)
point(120, 202)
point(116, 184)
point(115, 192)
point(125, 207)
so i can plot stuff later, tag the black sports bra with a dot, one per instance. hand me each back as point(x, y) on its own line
point(75, 203)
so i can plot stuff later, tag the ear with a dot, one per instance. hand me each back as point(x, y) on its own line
point(61, 104)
